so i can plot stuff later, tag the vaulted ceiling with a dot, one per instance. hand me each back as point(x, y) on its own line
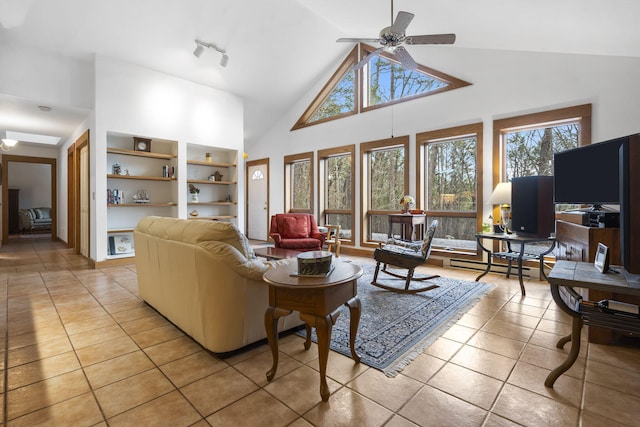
point(279, 49)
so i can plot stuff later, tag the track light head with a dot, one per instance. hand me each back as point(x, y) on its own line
point(224, 60)
point(199, 50)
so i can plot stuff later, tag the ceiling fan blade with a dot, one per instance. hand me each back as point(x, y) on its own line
point(431, 39)
point(402, 22)
point(405, 59)
point(358, 40)
point(367, 58)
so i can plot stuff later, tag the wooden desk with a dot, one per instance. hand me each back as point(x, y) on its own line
point(318, 300)
point(514, 254)
point(409, 224)
point(566, 275)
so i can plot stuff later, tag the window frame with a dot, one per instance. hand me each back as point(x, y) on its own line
point(423, 139)
point(323, 156)
point(452, 82)
point(579, 113)
point(366, 148)
point(289, 160)
point(332, 83)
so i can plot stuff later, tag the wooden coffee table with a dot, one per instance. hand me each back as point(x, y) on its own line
point(318, 300)
point(275, 253)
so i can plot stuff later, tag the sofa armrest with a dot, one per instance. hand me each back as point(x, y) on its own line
point(321, 235)
point(276, 238)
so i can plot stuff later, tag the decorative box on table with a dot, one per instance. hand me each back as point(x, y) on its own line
point(314, 263)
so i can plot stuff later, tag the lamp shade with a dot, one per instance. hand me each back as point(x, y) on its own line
point(501, 194)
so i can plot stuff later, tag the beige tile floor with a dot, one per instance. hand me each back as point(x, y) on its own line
point(80, 348)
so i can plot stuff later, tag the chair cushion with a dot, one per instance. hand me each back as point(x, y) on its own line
point(401, 250)
point(307, 243)
point(295, 227)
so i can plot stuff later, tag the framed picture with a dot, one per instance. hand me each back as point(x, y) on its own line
point(141, 144)
point(602, 258)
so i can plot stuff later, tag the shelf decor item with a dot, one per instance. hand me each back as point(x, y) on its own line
point(208, 158)
point(141, 144)
point(407, 202)
point(141, 196)
point(194, 192)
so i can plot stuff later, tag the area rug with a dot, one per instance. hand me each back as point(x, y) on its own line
point(395, 328)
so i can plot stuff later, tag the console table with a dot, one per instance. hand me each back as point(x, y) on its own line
point(318, 300)
point(516, 252)
point(409, 224)
point(566, 275)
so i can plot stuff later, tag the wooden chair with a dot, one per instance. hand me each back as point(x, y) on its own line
point(333, 239)
point(405, 255)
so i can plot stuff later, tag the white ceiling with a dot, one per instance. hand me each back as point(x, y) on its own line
point(278, 49)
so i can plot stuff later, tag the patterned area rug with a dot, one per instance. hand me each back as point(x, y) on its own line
point(395, 328)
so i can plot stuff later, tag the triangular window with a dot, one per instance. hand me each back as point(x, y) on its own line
point(382, 81)
point(338, 98)
point(387, 82)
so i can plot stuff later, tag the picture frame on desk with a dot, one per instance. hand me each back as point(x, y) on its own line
point(602, 258)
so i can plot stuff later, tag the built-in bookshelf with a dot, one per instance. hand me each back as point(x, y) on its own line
point(141, 181)
point(212, 171)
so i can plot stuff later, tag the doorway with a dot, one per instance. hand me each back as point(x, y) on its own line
point(257, 207)
point(6, 160)
point(78, 197)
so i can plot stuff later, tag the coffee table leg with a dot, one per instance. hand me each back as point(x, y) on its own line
point(307, 342)
point(323, 329)
point(271, 317)
point(354, 311)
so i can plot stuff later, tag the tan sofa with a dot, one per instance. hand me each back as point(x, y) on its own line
point(204, 277)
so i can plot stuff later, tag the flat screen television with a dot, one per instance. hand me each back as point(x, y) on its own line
point(588, 175)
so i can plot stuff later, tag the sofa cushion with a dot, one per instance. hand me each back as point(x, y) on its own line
point(43, 213)
point(295, 227)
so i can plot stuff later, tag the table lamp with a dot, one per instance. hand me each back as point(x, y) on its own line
point(502, 196)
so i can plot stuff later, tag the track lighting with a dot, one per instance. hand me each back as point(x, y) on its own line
point(200, 48)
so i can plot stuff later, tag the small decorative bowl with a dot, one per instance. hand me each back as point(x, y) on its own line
point(416, 211)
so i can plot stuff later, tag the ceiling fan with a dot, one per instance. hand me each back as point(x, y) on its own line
point(393, 37)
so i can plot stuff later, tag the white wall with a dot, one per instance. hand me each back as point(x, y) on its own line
point(34, 182)
point(45, 77)
point(504, 84)
point(133, 100)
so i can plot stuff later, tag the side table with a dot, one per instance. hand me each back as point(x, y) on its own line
point(409, 224)
point(318, 300)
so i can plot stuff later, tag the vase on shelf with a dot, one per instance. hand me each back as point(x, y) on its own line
point(194, 197)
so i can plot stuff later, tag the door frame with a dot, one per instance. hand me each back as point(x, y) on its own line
point(6, 158)
point(247, 179)
point(80, 143)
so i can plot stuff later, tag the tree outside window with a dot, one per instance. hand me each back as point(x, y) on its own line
point(298, 182)
point(336, 166)
point(449, 174)
point(387, 180)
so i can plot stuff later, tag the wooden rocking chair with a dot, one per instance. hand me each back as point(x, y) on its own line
point(405, 255)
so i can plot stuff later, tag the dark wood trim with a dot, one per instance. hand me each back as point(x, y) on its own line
point(343, 69)
point(323, 155)
point(288, 161)
point(80, 143)
point(365, 149)
point(6, 158)
point(71, 196)
point(422, 140)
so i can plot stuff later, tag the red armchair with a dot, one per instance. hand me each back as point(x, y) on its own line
point(296, 231)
